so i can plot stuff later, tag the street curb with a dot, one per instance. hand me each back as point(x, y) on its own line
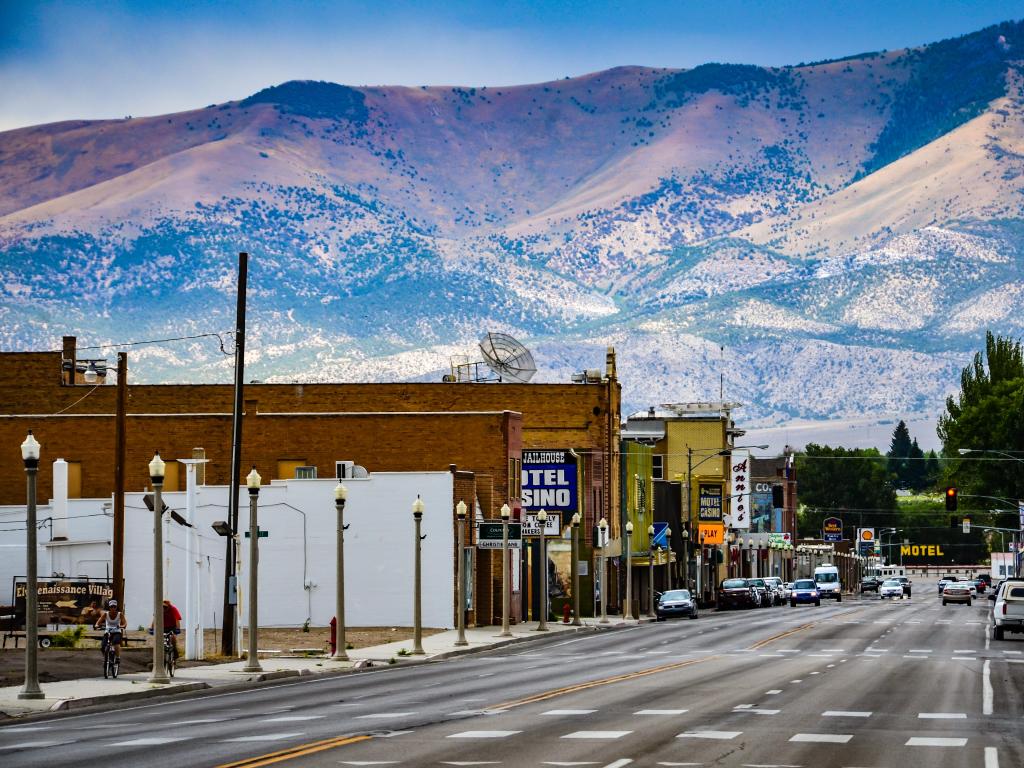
point(62, 705)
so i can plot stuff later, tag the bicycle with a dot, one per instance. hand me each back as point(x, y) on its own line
point(111, 658)
point(170, 656)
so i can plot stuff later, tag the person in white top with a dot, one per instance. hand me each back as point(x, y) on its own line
point(114, 623)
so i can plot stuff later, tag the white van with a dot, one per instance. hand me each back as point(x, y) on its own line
point(827, 578)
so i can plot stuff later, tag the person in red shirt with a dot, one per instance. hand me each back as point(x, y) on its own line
point(172, 623)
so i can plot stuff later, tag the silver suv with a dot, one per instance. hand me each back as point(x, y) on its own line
point(778, 589)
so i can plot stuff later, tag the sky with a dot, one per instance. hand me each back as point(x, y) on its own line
point(78, 60)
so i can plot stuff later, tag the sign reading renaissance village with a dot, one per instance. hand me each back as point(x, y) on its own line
point(549, 481)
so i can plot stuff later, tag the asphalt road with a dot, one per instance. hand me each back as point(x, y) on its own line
point(865, 684)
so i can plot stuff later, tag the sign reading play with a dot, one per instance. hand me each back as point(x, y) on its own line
point(549, 481)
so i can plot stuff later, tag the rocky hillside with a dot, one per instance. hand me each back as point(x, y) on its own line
point(834, 237)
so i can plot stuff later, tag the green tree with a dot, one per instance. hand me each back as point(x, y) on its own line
point(899, 450)
point(987, 417)
point(851, 483)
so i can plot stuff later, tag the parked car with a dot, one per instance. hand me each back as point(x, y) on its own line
point(870, 584)
point(1008, 611)
point(804, 591)
point(738, 593)
point(676, 602)
point(956, 592)
point(890, 588)
point(907, 583)
point(765, 591)
point(787, 587)
point(778, 589)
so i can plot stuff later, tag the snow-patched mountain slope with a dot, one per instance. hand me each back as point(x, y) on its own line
point(831, 238)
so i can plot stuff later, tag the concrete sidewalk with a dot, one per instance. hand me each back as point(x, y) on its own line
point(84, 692)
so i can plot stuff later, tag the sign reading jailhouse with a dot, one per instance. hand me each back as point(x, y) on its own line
point(549, 480)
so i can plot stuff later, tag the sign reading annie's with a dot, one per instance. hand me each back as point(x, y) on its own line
point(549, 480)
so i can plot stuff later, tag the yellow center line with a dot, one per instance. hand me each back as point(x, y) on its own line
point(801, 628)
point(298, 751)
point(595, 683)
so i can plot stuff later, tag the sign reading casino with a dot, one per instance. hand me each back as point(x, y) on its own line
point(709, 503)
point(549, 481)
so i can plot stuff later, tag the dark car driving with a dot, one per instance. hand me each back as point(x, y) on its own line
point(738, 593)
point(870, 584)
point(676, 602)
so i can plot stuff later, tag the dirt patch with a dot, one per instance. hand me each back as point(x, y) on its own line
point(57, 664)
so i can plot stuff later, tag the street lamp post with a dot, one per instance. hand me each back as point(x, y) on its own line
point(506, 598)
point(340, 497)
point(668, 559)
point(542, 521)
point(700, 565)
point(627, 614)
point(156, 475)
point(602, 527)
point(417, 628)
point(31, 689)
point(650, 571)
point(750, 557)
point(252, 661)
point(686, 558)
point(460, 512)
point(576, 570)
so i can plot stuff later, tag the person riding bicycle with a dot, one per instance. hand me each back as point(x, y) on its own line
point(114, 623)
point(172, 624)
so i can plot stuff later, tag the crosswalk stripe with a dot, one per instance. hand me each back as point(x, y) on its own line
point(483, 734)
point(723, 735)
point(930, 741)
point(596, 734)
point(822, 738)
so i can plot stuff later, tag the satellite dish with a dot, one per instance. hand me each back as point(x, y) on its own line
point(509, 359)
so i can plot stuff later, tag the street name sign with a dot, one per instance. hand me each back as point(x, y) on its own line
point(489, 535)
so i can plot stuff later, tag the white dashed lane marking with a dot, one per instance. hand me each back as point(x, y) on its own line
point(384, 715)
point(483, 734)
point(265, 737)
point(154, 741)
point(569, 712)
point(661, 711)
point(822, 738)
point(722, 735)
point(942, 715)
point(924, 741)
point(596, 734)
point(844, 713)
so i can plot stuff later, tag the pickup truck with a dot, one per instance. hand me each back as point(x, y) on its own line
point(1008, 611)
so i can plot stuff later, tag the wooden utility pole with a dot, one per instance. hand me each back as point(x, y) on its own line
point(120, 450)
point(228, 639)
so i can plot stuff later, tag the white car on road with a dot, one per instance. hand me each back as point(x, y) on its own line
point(891, 588)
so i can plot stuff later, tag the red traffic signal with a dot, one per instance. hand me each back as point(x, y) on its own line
point(951, 499)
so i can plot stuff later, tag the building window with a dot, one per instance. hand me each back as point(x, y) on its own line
point(658, 466)
point(172, 480)
point(74, 479)
point(286, 468)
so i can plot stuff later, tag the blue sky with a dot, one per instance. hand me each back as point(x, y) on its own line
point(64, 60)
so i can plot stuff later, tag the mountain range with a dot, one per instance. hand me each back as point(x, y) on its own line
point(828, 240)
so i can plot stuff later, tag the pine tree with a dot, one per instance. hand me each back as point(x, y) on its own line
point(899, 450)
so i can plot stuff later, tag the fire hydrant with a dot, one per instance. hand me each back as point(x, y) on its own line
point(334, 635)
point(566, 613)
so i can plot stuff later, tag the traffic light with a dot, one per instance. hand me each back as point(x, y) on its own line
point(951, 499)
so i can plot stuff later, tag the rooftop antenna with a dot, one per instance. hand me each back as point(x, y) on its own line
point(509, 359)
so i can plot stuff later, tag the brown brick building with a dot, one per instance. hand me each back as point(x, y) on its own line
point(480, 428)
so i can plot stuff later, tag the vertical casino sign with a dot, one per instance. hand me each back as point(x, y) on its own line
point(550, 481)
